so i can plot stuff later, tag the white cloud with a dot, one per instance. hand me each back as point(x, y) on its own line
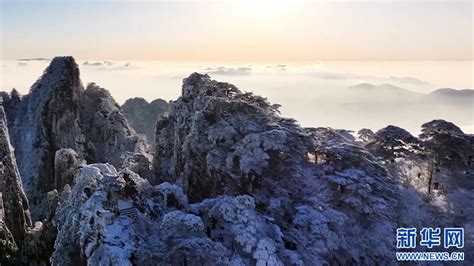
point(108, 65)
point(229, 71)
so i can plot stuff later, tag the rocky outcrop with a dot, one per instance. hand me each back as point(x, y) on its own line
point(8, 247)
point(59, 114)
point(38, 245)
point(97, 222)
point(48, 120)
point(142, 116)
point(219, 141)
point(10, 102)
point(14, 208)
point(66, 162)
point(232, 182)
point(365, 135)
point(107, 133)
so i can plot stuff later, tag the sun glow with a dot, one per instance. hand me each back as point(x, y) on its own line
point(265, 8)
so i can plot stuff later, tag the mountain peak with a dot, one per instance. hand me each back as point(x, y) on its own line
point(364, 86)
point(62, 73)
point(63, 65)
point(62, 60)
point(201, 85)
point(453, 92)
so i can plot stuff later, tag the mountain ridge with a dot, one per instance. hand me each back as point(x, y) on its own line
point(229, 181)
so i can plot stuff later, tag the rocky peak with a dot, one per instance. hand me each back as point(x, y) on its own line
point(201, 85)
point(59, 114)
point(47, 120)
point(220, 131)
point(365, 135)
point(108, 135)
point(220, 142)
point(64, 67)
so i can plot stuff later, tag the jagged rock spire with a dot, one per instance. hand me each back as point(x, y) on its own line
point(13, 202)
point(48, 120)
point(59, 113)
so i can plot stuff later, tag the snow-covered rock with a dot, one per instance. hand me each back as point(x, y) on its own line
point(365, 135)
point(219, 141)
point(8, 247)
point(59, 114)
point(231, 182)
point(47, 120)
point(66, 162)
point(14, 207)
point(118, 218)
point(107, 133)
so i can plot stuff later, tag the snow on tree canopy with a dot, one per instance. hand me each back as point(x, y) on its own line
point(218, 140)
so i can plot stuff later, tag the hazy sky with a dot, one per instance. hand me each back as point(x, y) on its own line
point(257, 30)
point(304, 55)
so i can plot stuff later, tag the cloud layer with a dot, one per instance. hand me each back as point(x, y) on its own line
point(108, 65)
point(229, 71)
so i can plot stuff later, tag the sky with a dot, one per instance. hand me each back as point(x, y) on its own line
point(305, 55)
point(242, 30)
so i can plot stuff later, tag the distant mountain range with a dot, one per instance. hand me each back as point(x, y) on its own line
point(226, 181)
point(387, 91)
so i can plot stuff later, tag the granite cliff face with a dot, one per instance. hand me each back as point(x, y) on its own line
point(15, 220)
point(107, 133)
point(48, 120)
point(220, 141)
point(58, 114)
point(8, 247)
point(14, 207)
point(142, 116)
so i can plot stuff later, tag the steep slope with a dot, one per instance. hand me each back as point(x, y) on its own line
point(48, 120)
point(14, 208)
point(8, 247)
point(257, 189)
point(59, 114)
point(218, 140)
point(106, 129)
point(142, 116)
point(118, 218)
